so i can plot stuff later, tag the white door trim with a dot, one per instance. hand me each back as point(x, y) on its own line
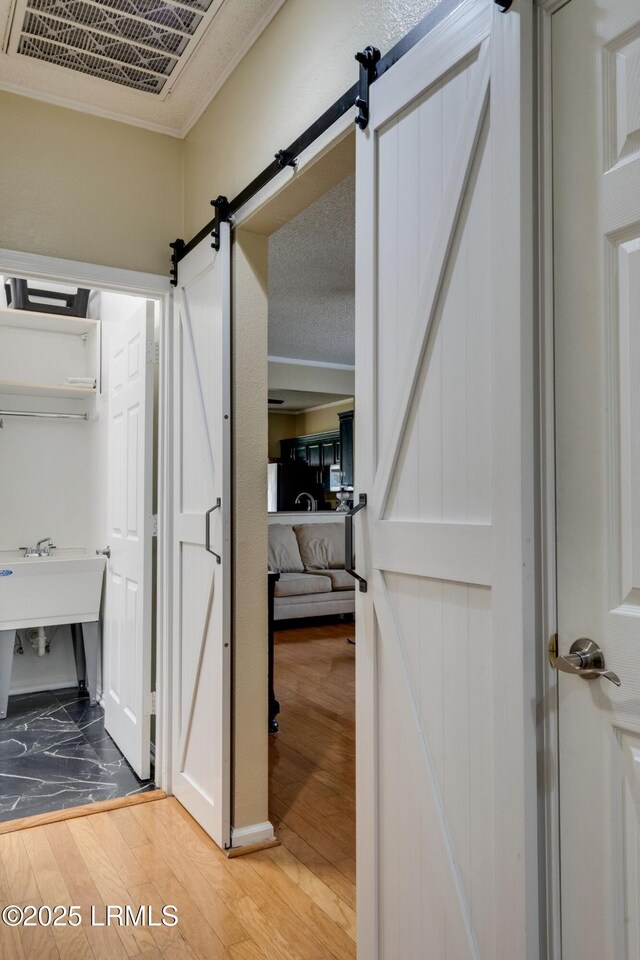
point(324, 144)
point(93, 274)
point(157, 288)
point(549, 677)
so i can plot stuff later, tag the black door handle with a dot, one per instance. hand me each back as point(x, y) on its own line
point(349, 560)
point(207, 530)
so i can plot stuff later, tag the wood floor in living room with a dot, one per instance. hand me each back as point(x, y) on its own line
point(312, 757)
point(293, 902)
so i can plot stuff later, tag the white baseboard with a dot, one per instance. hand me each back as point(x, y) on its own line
point(255, 833)
point(22, 688)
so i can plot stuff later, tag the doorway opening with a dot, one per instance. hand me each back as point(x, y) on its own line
point(311, 442)
point(78, 409)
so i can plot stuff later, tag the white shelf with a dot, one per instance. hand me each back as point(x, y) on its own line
point(59, 390)
point(54, 323)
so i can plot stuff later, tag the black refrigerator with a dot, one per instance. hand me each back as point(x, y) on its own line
point(296, 477)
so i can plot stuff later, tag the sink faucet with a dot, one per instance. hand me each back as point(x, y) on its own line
point(44, 551)
point(311, 501)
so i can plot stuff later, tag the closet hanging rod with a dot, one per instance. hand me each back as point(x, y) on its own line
point(46, 416)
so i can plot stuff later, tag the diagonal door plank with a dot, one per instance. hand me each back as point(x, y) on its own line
point(390, 629)
point(452, 201)
point(184, 740)
point(187, 328)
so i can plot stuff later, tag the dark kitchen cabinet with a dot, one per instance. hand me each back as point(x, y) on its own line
point(329, 452)
point(318, 450)
point(313, 454)
point(346, 447)
point(322, 450)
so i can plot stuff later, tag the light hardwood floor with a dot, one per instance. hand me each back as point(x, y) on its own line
point(293, 902)
point(312, 758)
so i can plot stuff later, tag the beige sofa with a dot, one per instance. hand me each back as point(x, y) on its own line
point(310, 560)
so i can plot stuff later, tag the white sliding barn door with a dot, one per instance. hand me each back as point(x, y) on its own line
point(202, 489)
point(447, 829)
point(128, 595)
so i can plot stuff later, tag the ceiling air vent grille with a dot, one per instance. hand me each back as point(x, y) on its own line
point(136, 43)
point(86, 63)
point(171, 38)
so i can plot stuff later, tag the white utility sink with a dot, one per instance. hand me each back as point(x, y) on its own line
point(40, 591)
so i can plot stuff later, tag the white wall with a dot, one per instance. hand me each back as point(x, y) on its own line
point(53, 473)
point(45, 474)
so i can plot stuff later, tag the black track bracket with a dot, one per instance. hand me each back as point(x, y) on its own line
point(285, 159)
point(177, 248)
point(222, 213)
point(367, 58)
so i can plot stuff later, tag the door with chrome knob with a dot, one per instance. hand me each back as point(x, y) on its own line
point(594, 336)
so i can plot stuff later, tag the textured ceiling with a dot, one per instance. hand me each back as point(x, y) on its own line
point(232, 31)
point(297, 400)
point(312, 281)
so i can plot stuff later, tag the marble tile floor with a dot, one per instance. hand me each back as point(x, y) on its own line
point(55, 753)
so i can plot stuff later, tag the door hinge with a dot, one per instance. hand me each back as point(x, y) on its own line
point(152, 525)
point(152, 703)
point(153, 352)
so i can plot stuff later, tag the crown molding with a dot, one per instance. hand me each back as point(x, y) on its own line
point(312, 363)
point(325, 406)
point(69, 104)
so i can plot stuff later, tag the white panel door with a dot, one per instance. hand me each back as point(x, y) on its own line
point(447, 827)
point(596, 168)
point(128, 598)
point(202, 548)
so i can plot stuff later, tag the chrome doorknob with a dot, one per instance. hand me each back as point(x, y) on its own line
point(585, 659)
point(104, 553)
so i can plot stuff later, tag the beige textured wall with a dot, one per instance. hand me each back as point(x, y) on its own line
point(281, 427)
point(84, 188)
point(249, 348)
point(300, 65)
point(319, 421)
